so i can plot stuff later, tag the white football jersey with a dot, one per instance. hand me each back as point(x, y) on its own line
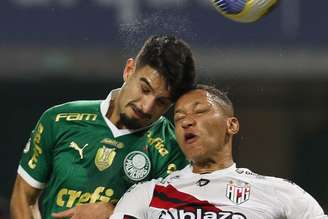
point(231, 193)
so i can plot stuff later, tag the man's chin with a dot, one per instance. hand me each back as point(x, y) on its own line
point(130, 123)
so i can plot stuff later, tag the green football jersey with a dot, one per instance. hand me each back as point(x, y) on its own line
point(76, 155)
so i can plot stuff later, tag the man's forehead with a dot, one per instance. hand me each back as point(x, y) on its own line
point(156, 83)
point(194, 95)
point(193, 98)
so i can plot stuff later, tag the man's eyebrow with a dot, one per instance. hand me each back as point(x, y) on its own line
point(143, 79)
point(146, 82)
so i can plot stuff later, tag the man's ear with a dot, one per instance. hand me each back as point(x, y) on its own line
point(232, 125)
point(129, 68)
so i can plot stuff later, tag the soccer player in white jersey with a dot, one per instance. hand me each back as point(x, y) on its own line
point(212, 186)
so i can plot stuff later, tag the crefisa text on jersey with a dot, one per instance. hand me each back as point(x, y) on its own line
point(199, 214)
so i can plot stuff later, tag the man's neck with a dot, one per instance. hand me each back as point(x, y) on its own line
point(209, 167)
point(111, 114)
point(218, 161)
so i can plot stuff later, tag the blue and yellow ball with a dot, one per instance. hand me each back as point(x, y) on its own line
point(245, 11)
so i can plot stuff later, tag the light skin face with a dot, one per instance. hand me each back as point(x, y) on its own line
point(204, 131)
point(143, 98)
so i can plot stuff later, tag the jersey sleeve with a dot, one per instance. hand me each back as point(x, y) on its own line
point(297, 203)
point(165, 154)
point(135, 202)
point(170, 160)
point(35, 164)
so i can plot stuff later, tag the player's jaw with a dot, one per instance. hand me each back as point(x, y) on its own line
point(129, 123)
point(134, 117)
point(138, 112)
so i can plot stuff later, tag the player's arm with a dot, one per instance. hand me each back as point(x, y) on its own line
point(24, 199)
point(135, 202)
point(33, 171)
point(99, 210)
point(297, 203)
point(131, 206)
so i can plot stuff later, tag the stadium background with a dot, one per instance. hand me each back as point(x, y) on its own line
point(276, 72)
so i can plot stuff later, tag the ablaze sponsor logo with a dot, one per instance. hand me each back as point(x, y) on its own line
point(199, 214)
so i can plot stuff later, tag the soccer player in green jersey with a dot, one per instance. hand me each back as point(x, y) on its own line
point(91, 152)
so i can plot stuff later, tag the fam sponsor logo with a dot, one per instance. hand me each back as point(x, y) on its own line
point(199, 214)
point(238, 193)
point(136, 165)
point(76, 117)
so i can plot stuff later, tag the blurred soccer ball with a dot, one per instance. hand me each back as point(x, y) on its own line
point(244, 11)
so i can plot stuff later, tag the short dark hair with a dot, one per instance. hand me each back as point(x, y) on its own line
point(173, 59)
point(220, 97)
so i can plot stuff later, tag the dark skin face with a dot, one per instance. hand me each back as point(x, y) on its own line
point(143, 98)
point(204, 131)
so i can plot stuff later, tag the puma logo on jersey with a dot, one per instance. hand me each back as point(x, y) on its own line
point(76, 147)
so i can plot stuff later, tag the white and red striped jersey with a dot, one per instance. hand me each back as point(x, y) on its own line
point(231, 193)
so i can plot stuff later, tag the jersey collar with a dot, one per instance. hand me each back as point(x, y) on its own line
point(229, 169)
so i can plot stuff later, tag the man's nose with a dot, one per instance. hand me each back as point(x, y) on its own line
point(187, 122)
point(148, 105)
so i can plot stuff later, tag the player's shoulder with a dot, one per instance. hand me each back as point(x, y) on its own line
point(285, 186)
point(81, 108)
point(144, 186)
point(248, 174)
point(295, 201)
point(272, 182)
point(77, 106)
point(177, 175)
point(162, 132)
point(162, 124)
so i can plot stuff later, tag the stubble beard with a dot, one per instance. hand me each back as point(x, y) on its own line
point(129, 123)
